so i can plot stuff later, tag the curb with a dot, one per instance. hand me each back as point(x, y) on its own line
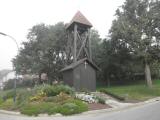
point(10, 112)
point(121, 108)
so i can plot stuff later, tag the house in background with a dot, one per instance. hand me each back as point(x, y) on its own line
point(6, 77)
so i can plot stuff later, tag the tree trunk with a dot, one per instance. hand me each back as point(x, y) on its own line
point(148, 75)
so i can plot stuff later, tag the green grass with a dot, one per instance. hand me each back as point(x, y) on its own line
point(135, 92)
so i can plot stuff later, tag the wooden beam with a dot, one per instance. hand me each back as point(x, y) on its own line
point(75, 44)
point(82, 46)
point(85, 49)
point(89, 44)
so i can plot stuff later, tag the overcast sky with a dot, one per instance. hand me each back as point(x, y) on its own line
point(18, 16)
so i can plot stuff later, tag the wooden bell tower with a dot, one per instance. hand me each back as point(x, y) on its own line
point(79, 37)
point(81, 73)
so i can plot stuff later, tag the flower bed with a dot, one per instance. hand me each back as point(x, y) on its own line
point(45, 99)
point(90, 98)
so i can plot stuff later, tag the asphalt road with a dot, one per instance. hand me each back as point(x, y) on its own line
point(149, 111)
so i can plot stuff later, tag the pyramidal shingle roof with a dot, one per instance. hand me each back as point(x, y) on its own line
point(80, 18)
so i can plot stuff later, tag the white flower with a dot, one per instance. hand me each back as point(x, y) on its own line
point(87, 98)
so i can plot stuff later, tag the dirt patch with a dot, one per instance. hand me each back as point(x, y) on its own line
point(97, 106)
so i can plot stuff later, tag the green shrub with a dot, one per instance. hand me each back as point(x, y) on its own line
point(36, 108)
point(73, 107)
point(38, 97)
point(7, 105)
point(30, 109)
point(101, 100)
point(50, 90)
point(9, 94)
point(1, 100)
point(23, 96)
point(69, 107)
point(50, 99)
point(53, 90)
point(60, 99)
point(53, 110)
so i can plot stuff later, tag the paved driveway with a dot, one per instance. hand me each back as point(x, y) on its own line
point(150, 111)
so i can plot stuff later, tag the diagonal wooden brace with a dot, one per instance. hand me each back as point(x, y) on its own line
point(83, 45)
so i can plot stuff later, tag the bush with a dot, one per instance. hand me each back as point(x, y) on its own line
point(60, 99)
point(101, 100)
point(7, 105)
point(53, 90)
point(9, 94)
point(1, 101)
point(38, 97)
point(82, 106)
point(30, 109)
point(69, 107)
point(36, 108)
point(23, 96)
point(73, 107)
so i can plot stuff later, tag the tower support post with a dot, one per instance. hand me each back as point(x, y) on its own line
point(89, 44)
point(75, 44)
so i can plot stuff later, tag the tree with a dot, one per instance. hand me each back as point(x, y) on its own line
point(137, 29)
point(116, 63)
point(44, 52)
point(95, 45)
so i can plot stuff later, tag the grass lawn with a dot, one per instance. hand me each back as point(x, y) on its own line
point(135, 92)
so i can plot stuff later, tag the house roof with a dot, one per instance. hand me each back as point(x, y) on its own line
point(73, 65)
point(79, 18)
